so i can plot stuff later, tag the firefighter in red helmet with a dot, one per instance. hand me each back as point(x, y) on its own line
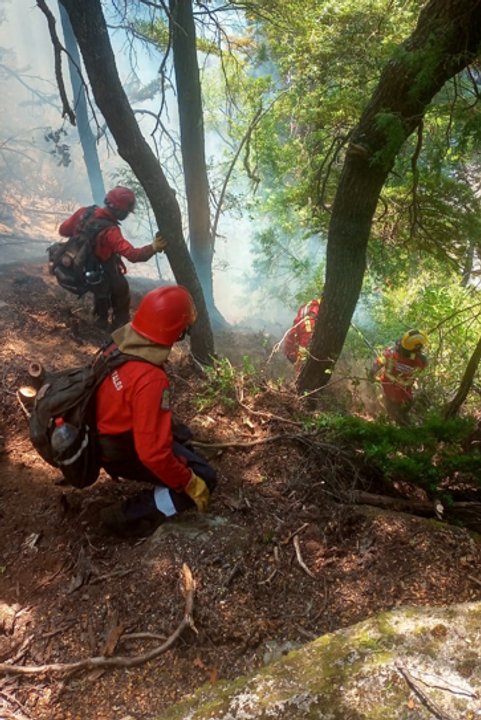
point(296, 342)
point(397, 368)
point(113, 293)
point(137, 437)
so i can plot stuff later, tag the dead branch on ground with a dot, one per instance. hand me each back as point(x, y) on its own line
point(116, 661)
point(299, 557)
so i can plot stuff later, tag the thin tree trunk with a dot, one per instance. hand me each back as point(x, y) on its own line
point(447, 38)
point(87, 139)
point(191, 120)
point(454, 406)
point(90, 29)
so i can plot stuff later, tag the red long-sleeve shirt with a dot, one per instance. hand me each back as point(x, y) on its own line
point(300, 334)
point(108, 241)
point(399, 371)
point(135, 397)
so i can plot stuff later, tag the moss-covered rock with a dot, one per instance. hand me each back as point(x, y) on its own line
point(390, 667)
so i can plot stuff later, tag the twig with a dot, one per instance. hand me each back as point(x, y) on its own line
point(294, 533)
point(269, 416)
point(21, 403)
point(474, 580)
point(119, 661)
point(142, 636)
point(427, 702)
point(57, 49)
point(299, 557)
point(107, 576)
point(259, 441)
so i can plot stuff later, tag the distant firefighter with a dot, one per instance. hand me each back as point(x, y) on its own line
point(397, 368)
point(297, 341)
point(91, 260)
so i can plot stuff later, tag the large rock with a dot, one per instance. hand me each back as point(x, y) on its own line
point(409, 664)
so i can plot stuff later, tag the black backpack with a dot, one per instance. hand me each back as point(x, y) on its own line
point(73, 262)
point(70, 394)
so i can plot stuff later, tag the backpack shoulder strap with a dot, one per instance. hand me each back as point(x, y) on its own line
point(91, 225)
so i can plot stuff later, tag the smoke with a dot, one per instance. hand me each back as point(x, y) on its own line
point(43, 177)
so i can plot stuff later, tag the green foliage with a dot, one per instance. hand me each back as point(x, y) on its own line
point(321, 62)
point(428, 455)
point(224, 383)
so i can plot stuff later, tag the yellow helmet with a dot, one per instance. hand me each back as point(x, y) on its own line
point(414, 340)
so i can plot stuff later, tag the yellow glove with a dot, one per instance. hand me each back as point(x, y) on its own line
point(158, 242)
point(198, 491)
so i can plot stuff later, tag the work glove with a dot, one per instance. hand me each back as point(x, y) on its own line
point(159, 243)
point(198, 491)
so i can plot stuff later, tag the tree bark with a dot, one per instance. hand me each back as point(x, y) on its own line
point(453, 407)
point(446, 39)
point(87, 139)
point(191, 121)
point(90, 29)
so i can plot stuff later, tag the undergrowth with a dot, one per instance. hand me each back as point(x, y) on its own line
point(225, 384)
point(429, 454)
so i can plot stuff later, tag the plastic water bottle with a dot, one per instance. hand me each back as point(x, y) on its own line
point(63, 437)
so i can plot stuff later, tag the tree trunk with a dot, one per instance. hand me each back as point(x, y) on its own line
point(453, 407)
point(90, 29)
point(191, 120)
point(447, 38)
point(87, 139)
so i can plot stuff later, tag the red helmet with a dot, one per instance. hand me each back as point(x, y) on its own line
point(120, 199)
point(165, 314)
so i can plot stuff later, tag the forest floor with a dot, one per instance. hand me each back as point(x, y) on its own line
point(276, 562)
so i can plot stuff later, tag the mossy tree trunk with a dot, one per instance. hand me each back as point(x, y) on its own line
point(446, 39)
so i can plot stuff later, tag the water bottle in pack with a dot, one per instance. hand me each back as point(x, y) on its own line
point(63, 437)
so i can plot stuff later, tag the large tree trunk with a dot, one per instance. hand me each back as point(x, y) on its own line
point(447, 38)
point(191, 120)
point(87, 139)
point(90, 29)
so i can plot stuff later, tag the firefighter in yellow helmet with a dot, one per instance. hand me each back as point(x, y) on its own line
point(397, 368)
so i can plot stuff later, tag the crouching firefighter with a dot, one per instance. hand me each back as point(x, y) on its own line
point(136, 434)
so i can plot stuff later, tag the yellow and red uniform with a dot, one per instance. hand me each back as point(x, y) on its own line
point(398, 369)
point(298, 339)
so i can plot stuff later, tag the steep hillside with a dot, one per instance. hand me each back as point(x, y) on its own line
point(277, 561)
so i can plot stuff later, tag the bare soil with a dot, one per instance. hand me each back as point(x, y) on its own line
point(277, 562)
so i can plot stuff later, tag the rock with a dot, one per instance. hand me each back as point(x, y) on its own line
point(8, 613)
point(361, 673)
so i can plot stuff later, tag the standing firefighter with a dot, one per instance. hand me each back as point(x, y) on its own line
point(102, 271)
point(397, 369)
point(297, 341)
point(137, 438)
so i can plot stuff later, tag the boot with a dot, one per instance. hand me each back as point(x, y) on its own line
point(136, 517)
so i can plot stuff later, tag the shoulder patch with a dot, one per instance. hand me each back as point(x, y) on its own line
point(165, 400)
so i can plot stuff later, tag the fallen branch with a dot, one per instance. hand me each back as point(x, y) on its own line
point(417, 507)
point(425, 508)
point(299, 557)
point(304, 439)
point(474, 580)
point(119, 661)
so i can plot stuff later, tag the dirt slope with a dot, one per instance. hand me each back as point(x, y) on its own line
point(276, 562)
